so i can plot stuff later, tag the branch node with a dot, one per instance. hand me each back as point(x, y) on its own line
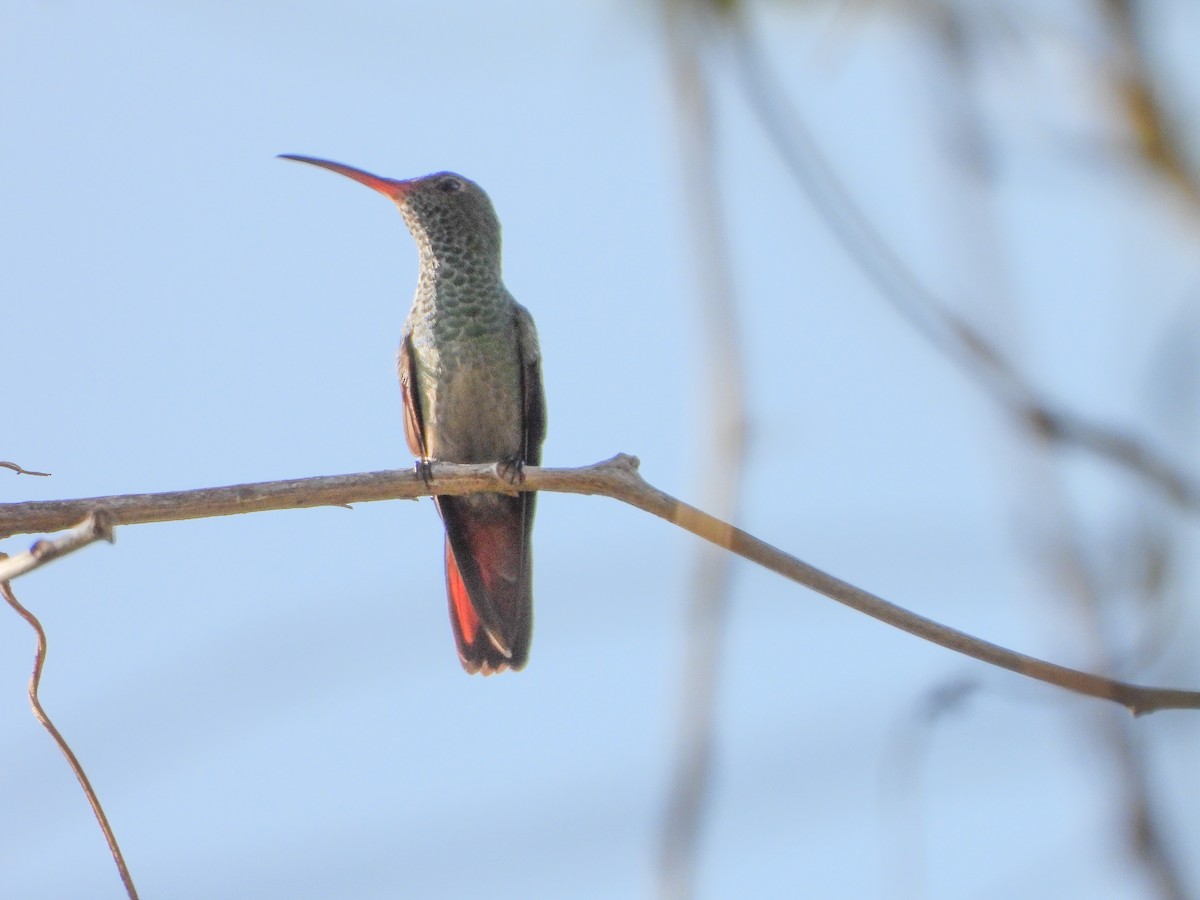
point(103, 524)
point(630, 461)
point(623, 464)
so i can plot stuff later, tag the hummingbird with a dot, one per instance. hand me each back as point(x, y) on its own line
point(471, 380)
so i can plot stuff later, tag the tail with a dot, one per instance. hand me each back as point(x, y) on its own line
point(488, 578)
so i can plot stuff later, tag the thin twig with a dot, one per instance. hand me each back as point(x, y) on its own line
point(617, 478)
point(21, 471)
point(35, 679)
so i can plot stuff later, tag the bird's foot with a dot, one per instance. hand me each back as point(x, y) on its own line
point(511, 470)
point(424, 470)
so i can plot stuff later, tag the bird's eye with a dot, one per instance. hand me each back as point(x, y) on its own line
point(450, 185)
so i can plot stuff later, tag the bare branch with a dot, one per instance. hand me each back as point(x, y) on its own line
point(173, 506)
point(617, 478)
point(94, 532)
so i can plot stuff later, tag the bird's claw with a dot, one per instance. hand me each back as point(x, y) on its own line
point(511, 470)
point(424, 470)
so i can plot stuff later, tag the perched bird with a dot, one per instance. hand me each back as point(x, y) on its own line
point(471, 377)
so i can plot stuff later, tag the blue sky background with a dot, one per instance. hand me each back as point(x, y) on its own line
point(270, 705)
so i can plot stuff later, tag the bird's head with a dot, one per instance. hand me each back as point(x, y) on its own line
point(447, 214)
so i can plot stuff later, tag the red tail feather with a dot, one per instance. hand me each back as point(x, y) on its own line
point(466, 621)
point(488, 579)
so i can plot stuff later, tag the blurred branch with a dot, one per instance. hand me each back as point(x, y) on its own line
point(1158, 142)
point(21, 471)
point(951, 335)
point(617, 478)
point(900, 781)
point(91, 530)
point(1149, 835)
point(1072, 572)
point(721, 394)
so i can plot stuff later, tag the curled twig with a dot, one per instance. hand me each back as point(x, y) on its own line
point(39, 660)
